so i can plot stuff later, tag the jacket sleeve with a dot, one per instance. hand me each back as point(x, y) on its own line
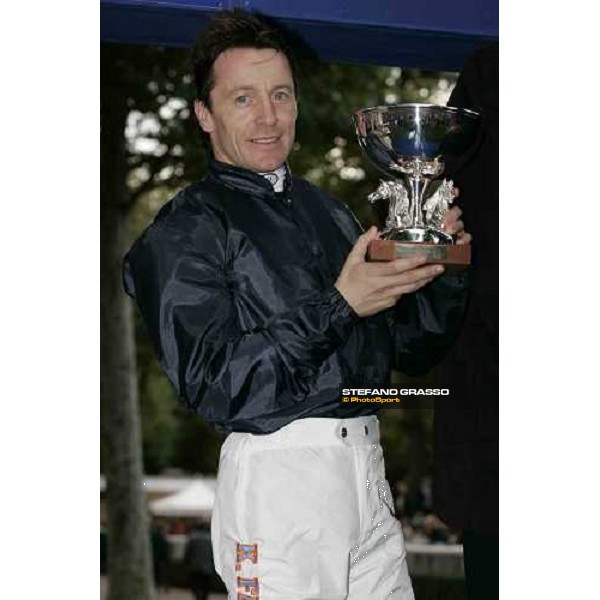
point(425, 324)
point(227, 375)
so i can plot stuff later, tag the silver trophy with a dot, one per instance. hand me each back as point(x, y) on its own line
point(409, 142)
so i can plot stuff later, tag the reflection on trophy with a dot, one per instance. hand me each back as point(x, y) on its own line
point(409, 142)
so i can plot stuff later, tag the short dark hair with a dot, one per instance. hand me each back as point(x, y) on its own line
point(234, 29)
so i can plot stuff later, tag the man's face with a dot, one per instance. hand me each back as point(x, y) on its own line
point(252, 120)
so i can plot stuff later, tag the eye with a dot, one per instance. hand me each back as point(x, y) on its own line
point(242, 100)
point(282, 96)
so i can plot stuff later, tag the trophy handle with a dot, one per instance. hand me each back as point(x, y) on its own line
point(436, 206)
point(399, 209)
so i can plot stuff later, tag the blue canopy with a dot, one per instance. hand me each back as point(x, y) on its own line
point(437, 34)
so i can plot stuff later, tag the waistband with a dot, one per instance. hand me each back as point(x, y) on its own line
point(357, 431)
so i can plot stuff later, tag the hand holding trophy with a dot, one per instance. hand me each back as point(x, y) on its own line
point(409, 142)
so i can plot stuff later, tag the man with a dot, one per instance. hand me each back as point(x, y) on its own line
point(254, 287)
point(466, 423)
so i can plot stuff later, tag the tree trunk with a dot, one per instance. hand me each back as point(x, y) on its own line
point(129, 551)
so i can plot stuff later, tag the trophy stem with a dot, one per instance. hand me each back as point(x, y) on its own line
point(417, 184)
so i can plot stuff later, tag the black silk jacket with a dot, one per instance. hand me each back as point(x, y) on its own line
point(235, 285)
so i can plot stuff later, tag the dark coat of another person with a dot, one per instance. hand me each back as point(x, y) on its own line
point(199, 563)
point(466, 422)
point(198, 553)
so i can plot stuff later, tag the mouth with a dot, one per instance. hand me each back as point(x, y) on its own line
point(265, 141)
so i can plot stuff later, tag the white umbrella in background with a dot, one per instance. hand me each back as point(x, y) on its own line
point(195, 500)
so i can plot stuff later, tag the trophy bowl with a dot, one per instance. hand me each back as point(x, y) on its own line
point(410, 143)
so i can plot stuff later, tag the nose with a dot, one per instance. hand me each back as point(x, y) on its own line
point(267, 112)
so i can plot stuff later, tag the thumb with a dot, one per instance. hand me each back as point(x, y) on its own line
point(359, 250)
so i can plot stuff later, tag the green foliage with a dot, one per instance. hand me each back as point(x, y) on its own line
point(160, 427)
point(165, 153)
point(198, 445)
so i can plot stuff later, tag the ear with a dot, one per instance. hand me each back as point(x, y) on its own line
point(204, 116)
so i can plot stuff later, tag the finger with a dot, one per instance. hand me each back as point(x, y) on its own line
point(396, 293)
point(456, 211)
point(396, 266)
point(464, 239)
point(359, 250)
point(450, 217)
point(401, 290)
point(409, 277)
point(455, 192)
point(455, 228)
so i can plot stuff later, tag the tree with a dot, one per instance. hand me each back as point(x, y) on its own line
point(129, 558)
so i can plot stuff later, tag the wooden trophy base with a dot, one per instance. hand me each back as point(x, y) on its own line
point(455, 258)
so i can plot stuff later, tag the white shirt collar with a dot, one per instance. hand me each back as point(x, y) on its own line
point(276, 178)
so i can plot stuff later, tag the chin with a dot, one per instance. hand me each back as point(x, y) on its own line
point(275, 165)
point(262, 166)
point(268, 160)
